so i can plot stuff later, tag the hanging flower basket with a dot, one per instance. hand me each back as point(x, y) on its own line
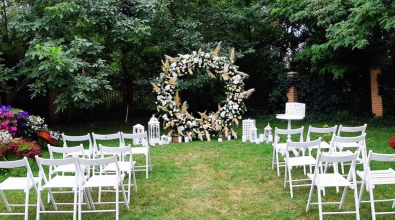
point(45, 135)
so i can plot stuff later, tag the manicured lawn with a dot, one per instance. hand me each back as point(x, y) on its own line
point(228, 180)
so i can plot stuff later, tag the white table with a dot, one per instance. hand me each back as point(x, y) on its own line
point(289, 117)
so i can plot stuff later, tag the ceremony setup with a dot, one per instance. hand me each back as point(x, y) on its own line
point(191, 110)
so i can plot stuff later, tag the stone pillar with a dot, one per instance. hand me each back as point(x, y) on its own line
point(377, 103)
point(53, 116)
point(292, 93)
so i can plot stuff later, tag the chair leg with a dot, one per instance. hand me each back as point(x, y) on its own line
point(343, 197)
point(149, 159)
point(319, 202)
point(290, 181)
point(146, 166)
point(75, 203)
point(361, 191)
point(273, 158)
point(356, 200)
point(310, 196)
point(278, 164)
point(372, 207)
point(5, 201)
point(27, 204)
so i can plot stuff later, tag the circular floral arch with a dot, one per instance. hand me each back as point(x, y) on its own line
point(176, 116)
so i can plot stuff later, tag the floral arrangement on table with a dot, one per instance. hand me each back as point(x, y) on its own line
point(391, 142)
point(176, 116)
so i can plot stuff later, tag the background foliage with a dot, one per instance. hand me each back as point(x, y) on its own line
point(82, 49)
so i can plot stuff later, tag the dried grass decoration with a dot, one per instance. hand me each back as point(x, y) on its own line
point(176, 116)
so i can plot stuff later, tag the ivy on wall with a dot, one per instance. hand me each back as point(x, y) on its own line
point(386, 82)
point(325, 98)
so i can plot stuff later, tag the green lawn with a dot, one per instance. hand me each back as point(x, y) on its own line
point(228, 180)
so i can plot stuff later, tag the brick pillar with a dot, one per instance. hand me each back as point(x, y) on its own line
point(292, 93)
point(377, 103)
point(53, 116)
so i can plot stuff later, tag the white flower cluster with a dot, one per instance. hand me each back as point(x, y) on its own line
point(218, 67)
point(35, 123)
point(5, 136)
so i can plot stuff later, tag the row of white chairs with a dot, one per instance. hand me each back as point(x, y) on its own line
point(74, 173)
point(122, 139)
point(283, 135)
point(298, 154)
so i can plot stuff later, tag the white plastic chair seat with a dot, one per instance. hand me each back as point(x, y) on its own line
point(60, 181)
point(330, 179)
point(15, 183)
point(100, 181)
point(86, 153)
point(325, 145)
point(139, 150)
point(301, 161)
point(65, 168)
point(123, 166)
point(380, 177)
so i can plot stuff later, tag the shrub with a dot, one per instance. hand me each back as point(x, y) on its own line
point(21, 148)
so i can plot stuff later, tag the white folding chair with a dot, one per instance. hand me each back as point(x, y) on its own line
point(64, 152)
point(101, 180)
point(19, 183)
point(359, 146)
point(301, 160)
point(280, 147)
point(125, 163)
point(140, 149)
point(372, 178)
point(113, 139)
point(314, 132)
point(76, 140)
point(345, 131)
point(320, 180)
point(56, 182)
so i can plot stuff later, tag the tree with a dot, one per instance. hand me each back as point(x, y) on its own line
point(70, 46)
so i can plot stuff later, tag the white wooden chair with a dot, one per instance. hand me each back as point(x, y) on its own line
point(143, 149)
point(372, 178)
point(280, 147)
point(296, 161)
point(57, 182)
point(113, 139)
point(76, 140)
point(315, 132)
point(320, 180)
point(19, 183)
point(98, 180)
point(125, 163)
point(345, 131)
point(358, 146)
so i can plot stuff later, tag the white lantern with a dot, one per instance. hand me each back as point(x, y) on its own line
point(138, 129)
point(253, 134)
point(268, 137)
point(247, 124)
point(164, 139)
point(153, 130)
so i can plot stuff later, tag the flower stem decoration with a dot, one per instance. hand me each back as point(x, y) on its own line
point(175, 113)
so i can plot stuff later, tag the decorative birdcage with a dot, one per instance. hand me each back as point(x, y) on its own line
point(153, 130)
point(253, 134)
point(267, 135)
point(137, 129)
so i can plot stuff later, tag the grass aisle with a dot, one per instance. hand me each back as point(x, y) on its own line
point(228, 180)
